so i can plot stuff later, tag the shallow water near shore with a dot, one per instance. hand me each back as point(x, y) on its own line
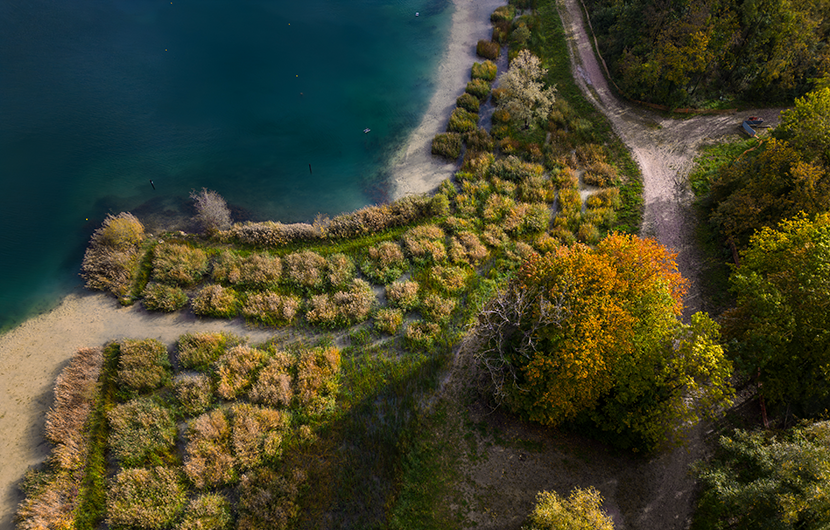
point(263, 101)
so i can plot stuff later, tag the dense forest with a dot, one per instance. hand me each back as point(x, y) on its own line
point(713, 52)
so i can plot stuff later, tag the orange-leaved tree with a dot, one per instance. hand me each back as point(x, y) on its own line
point(594, 334)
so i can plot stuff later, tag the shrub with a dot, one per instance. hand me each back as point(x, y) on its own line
point(273, 386)
point(486, 70)
point(74, 389)
point(468, 102)
point(51, 505)
point(210, 511)
point(582, 510)
point(148, 499)
point(200, 350)
point(503, 14)
point(403, 295)
point(385, 262)
point(142, 432)
point(478, 164)
point(143, 364)
point(342, 308)
point(479, 88)
point(305, 270)
point(271, 309)
point(235, 370)
point(462, 121)
point(447, 145)
point(317, 378)
point(339, 270)
point(179, 264)
point(166, 298)
point(112, 257)
point(259, 270)
point(600, 174)
point(515, 169)
point(425, 243)
point(421, 335)
point(215, 301)
point(437, 308)
point(479, 141)
point(388, 321)
point(488, 49)
point(494, 236)
point(267, 499)
point(257, 434)
point(212, 212)
point(194, 392)
point(536, 189)
point(607, 198)
point(449, 279)
point(466, 247)
point(208, 460)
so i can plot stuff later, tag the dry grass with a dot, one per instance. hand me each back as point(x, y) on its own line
point(403, 295)
point(389, 321)
point(178, 264)
point(143, 364)
point(340, 270)
point(305, 270)
point(111, 259)
point(271, 309)
point(257, 434)
point(52, 506)
point(342, 308)
point(385, 262)
point(141, 432)
point(437, 308)
point(200, 350)
point(235, 370)
point(317, 378)
point(149, 499)
point(210, 511)
point(467, 248)
point(425, 243)
point(267, 499)
point(194, 392)
point(208, 460)
point(273, 386)
point(165, 298)
point(215, 301)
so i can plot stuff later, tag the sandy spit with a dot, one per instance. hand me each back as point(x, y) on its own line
point(414, 169)
point(33, 354)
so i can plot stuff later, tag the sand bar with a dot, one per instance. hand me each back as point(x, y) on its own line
point(414, 169)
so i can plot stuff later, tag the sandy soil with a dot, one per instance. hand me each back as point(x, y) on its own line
point(414, 169)
point(34, 353)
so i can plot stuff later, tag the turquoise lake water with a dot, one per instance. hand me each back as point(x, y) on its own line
point(98, 97)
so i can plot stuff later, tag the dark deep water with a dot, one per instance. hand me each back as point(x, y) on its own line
point(99, 97)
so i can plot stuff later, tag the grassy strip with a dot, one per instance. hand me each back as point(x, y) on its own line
point(92, 507)
point(710, 159)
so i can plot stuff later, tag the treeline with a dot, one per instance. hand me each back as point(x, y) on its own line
point(682, 53)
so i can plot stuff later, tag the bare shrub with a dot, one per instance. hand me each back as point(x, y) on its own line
point(340, 270)
point(466, 247)
point(75, 388)
point(208, 460)
point(200, 350)
point(342, 308)
point(317, 378)
point(388, 321)
point(143, 364)
point(141, 432)
point(210, 511)
point(215, 301)
point(179, 264)
point(235, 370)
point(305, 270)
point(194, 392)
point(437, 308)
point(403, 295)
point(257, 434)
point(421, 335)
point(166, 298)
point(267, 499)
point(426, 243)
point(148, 499)
point(212, 212)
point(385, 262)
point(111, 259)
point(270, 308)
point(273, 386)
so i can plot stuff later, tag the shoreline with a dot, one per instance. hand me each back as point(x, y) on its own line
point(33, 353)
point(414, 169)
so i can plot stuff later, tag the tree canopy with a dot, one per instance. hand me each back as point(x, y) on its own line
point(594, 334)
point(524, 95)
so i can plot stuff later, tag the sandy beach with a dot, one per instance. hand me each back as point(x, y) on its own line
point(414, 169)
point(34, 353)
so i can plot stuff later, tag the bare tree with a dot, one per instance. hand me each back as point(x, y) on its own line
point(211, 210)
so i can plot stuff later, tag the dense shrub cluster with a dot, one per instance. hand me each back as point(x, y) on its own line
point(388, 320)
point(342, 308)
point(208, 459)
point(486, 70)
point(306, 270)
point(273, 385)
point(215, 301)
point(194, 392)
point(163, 297)
point(425, 243)
point(210, 511)
point(235, 370)
point(256, 270)
point(447, 145)
point(462, 121)
point(271, 309)
point(421, 335)
point(142, 432)
point(318, 370)
point(488, 49)
point(145, 498)
point(200, 350)
point(112, 257)
point(143, 364)
point(385, 262)
point(403, 295)
point(581, 510)
point(179, 264)
point(267, 499)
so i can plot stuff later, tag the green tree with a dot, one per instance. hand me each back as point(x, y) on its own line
point(767, 481)
point(807, 125)
point(780, 330)
point(593, 334)
point(582, 510)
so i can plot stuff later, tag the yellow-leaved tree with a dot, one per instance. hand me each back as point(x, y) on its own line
point(594, 335)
